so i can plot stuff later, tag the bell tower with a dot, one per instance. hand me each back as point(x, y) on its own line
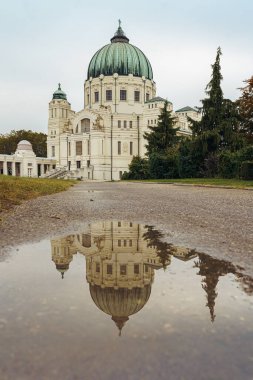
point(58, 122)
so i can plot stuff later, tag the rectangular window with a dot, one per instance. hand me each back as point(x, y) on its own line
point(119, 243)
point(130, 243)
point(123, 270)
point(120, 175)
point(146, 268)
point(130, 124)
point(79, 148)
point(78, 164)
point(123, 95)
point(119, 147)
point(136, 268)
point(147, 97)
point(108, 95)
point(119, 224)
point(125, 123)
point(53, 151)
point(131, 148)
point(119, 123)
point(96, 93)
point(97, 267)
point(109, 268)
point(125, 243)
point(69, 148)
point(136, 96)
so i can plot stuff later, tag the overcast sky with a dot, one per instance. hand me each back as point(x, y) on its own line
point(50, 41)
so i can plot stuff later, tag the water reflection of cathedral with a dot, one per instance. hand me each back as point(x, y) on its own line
point(121, 259)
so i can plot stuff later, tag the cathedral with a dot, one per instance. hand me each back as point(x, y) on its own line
point(120, 102)
point(99, 142)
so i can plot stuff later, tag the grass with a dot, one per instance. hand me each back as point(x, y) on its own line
point(233, 183)
point(14, 190)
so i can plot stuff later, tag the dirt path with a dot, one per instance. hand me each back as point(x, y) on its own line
point(215, 221)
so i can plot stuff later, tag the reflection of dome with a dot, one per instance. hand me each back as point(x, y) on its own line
point(25, 145)
point(59, 94)
point(120, 57)
point(120, 303)
point(62, 268)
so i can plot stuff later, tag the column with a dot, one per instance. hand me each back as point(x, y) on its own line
point(42, 172)
point(5, 167)
point(13, 169)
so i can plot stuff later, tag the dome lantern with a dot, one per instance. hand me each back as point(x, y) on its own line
point(119, 36)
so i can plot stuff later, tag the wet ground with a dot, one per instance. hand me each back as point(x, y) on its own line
point(114, 300)
point(218, 222)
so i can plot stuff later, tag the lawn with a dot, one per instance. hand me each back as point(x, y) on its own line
point(14, 190)
point(233, 183)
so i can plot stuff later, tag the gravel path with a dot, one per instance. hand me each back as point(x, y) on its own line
point(215, 221)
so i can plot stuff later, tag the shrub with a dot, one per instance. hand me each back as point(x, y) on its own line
point(164, 166)
point(246, 171)
point(229, 165)
point(138, 169)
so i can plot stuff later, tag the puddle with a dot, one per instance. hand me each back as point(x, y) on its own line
point(116, 302)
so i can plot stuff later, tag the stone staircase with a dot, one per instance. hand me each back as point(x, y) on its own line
point(56, 173)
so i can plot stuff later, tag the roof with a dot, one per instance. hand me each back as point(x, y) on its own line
point(157, 99)
point(120, 57)
point(185, 109)
point(59, 94)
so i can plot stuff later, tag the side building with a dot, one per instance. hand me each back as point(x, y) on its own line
point(24, 162)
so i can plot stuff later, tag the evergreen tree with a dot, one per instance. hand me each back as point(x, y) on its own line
point(163, 135)
point(245, 104)
point(212, 105)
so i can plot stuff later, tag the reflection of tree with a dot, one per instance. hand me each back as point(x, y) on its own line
point(211, 269)
point(164, 250)
point(246, 283)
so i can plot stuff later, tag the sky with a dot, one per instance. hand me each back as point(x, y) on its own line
point(46, 42)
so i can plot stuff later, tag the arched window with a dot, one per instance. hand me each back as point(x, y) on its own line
point(85, 125)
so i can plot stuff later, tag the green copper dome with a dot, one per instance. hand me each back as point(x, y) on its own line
point(59, 94)
point(120, 57)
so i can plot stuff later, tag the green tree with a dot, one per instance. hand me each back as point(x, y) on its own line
point(163, 135)
point(245, 103)
point(9, 141)
point(138, 169)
